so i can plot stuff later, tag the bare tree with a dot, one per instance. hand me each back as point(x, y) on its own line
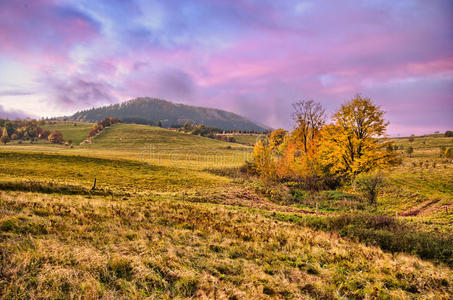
point(310, 117)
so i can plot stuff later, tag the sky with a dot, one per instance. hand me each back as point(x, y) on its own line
point(251, 57)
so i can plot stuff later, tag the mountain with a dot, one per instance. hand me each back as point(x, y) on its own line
point(151, 110)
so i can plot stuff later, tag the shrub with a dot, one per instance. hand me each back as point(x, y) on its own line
point(44, 134)
point(386, 232)
point(449, 133)
point(4, 139)
point(56, 137)
point(369, 186)
point(5, 136)
point(410, 150)
point(448, 153)
point(93, 132)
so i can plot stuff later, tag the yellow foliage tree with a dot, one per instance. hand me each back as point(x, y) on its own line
point(351, 145)
point(277, 137)
point(264, 161)
point(4, 137)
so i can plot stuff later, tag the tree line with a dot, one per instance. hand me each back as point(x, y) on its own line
point(29, 129)
point(99, 126)
point(318, 154)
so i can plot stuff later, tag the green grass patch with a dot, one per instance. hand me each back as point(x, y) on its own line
point(76, 133)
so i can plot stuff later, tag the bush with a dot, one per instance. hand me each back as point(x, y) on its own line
point(449, 133)
point(393, 236)
point(386, 232)
point(4, 139)
point(410, 150)
point(369, 186)
point(44, 134)
point(448, 153)
point(56, 137)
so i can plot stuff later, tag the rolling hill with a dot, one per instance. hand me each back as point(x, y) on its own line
point(172, 216)
point(151, 110)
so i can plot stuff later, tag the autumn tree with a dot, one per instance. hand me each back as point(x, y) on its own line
point(277, 137)
point(44, 134)
point(264, 161)
point(186, 127)
point(9, 128)
point(56, 137)
point(5, 136)
point(350, 145)
point(310, 117)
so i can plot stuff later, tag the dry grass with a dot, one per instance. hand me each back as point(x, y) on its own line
point(174, 227)
point(92, 247)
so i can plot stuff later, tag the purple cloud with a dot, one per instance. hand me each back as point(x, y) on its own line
point(13, 114)
point(77, 92)
point(252, 57)
point(42, 30)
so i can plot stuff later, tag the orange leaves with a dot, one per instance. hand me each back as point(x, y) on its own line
point(343, 149)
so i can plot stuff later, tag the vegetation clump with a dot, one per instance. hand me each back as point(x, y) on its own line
point(99, 126)
point(21, 130)
point(320, 155)
point(369, 186)
point(388, 233)
point(56, 137)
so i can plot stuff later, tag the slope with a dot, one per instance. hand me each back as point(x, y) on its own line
point(166, 147)
point(153, 110)
point(141, 236)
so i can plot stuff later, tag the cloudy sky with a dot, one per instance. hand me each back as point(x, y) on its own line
point(252, 57)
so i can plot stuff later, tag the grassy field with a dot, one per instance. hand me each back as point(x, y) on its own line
point(172, 216)
point(149, 144)
point(74, 131)
point(166, 147)
point(246, 139)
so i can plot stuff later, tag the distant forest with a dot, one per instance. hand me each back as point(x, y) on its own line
point(166, 114)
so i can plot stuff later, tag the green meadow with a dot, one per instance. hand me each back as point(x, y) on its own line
point(173, 216)
point(74, 131)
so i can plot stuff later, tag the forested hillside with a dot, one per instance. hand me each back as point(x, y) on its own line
point(156, 111)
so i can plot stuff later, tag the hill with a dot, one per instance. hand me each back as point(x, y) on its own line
point(76, 132)
point(167, 147)
point(151, 111)
point(162, 224)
